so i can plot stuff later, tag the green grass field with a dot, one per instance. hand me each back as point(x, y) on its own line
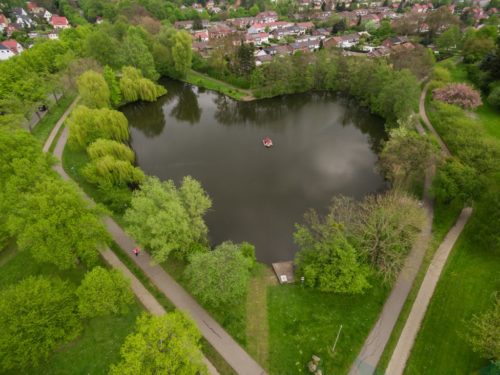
point(210, 83)
point(304, 321)
point(42, 130)
point(99, 344)
point(466, 285)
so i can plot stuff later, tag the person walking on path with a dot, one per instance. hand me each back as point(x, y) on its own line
point(136, 251)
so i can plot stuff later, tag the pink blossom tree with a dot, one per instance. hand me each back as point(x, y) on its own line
point(459, 94)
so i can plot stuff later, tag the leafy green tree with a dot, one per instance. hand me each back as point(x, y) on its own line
point(136, 53)
point(484, 331)
point(135, 87)
point(104, 292)
point(326, 259)
point(102, 47)
point(115, 94)
point(163, 219)
point(450, 39)
point(167, 344)
point(36, 316)
point(87, 125)
point(456, 181)
point(108, 172)
point(53, 221)
point(406, 156)
point(177, 54)
point(245, 61)
point(219, 277)
point(107, 147)
point(93, 90)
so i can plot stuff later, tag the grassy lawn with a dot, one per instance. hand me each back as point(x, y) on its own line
point(466, 284)
point(99, 344)
point(465, 288)
point(42, 130)
point(303, 322)
point(210, 83)
point(444, 218)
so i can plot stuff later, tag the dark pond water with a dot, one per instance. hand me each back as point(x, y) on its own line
point(323, 145)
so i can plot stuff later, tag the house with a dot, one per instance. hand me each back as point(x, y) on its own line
point(13, 45)
point(188, 25)
point(421, 8)
point(343, 41)
point(4, 22)
point(22, 19)
point(257, 39)
point(241, 23)
point(307, 46)
point(279, 50)
point(203, 48)
point(11, 28)
point(394, 41)
point(259, 60)
point(38, 11)
point(201, 35)
point(306, 26)
point(59, 22)
point(324, 33)
point(197, 7)
point(220, 30)
point(5, 53)
point(287, 31)
point(379, 52)
point(261, 27)
point(267, 17)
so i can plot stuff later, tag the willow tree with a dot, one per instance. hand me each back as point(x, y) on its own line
point(115, 94)
point(135, 87)
point(108, 147)
point(87, 125)
point(108, 171)
point(93, 90)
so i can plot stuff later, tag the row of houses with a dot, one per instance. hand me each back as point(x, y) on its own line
point(29, 18)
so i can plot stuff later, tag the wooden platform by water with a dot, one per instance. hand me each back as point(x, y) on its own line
point(284, 272)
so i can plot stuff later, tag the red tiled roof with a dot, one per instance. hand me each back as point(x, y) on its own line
point(11, 44)
point(59, 21)
point(31, 5)
point(3, 19)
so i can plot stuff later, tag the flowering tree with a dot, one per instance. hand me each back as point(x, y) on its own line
point(459, 94)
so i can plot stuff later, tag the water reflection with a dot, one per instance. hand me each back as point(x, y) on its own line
point(324, 145)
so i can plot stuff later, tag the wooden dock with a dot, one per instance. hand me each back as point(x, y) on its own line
point(284, 271)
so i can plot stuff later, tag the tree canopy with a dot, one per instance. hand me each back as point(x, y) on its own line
point(219, 277)
point(93, 90)
point(167, 344)
point(135, 87)
point(164, 219)
point(36, 316)
point(104, 292)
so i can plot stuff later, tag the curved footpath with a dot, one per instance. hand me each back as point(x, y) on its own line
point(367, 360)
point(223, 343)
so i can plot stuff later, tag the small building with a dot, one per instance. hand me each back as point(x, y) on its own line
point(5, 53)
point(394, 41)
point(22, 19)
point(59, 22)
point(4, 22)
point(13, 45)
point(257, 39)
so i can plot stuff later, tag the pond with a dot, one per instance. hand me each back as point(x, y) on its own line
point(323, 145)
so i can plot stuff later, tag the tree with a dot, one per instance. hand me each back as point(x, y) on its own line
point(219, 277)
point(494, 97)
point(167, 344)
point(107, 147)
point(104, 292)
point(87, 125)
point(485, 330)
point(53, 221)
point(164, 219)
point(176, 54)
point(136, 53)
point(115, 94)
point(339, 26)
point(197, 22)
point(456, 181)
point(406, 156)
point(418, 60)
point(326, 259)
point(450, 39)
point(102, 47)
point(93, 90)
point(135, 87)
point(36, 316)
point(244, 62)
point(440, 19)
point(459, 94)
point(108, 172)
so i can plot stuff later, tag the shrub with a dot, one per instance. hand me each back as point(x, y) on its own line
point(441, 74)
point(494, 97)
point(459, 94)
point(107, 147)
point(104, 292)
point(108, 171)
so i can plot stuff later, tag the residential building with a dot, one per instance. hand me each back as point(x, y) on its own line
point(13, 45)
point(59, 22)
point(5, 53)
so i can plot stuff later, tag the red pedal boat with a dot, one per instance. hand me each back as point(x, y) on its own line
point(267, 142)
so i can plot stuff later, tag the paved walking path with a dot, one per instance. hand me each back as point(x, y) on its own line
point(374, 345)
point(423, 114)
point(403, 348)
point(223, 343)
point(368, 358)
point(58, 125)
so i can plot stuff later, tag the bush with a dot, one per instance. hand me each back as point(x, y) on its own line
point(441, 74)
point(107, 147)
point(108, 171)
point(494, 97)
point(104, 292)
point(459, 94)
